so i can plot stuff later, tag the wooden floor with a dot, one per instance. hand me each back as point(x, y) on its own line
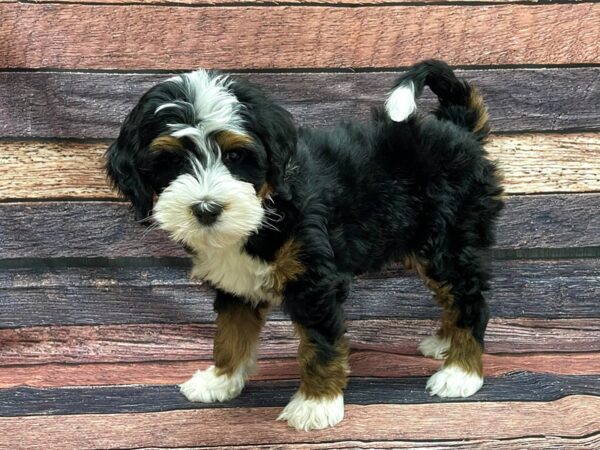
point(99, 321)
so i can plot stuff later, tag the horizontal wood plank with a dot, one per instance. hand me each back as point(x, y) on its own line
point(108, 295)
point(531, 163)
point(154, 342)
point(93, 105)
point(522, 386)
point(107, 229)
point(574, 416)
point(81, 36)
point(276, 2)
point(363, 363)
point(529, 443)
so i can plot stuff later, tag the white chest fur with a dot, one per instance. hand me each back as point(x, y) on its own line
point(238, 273)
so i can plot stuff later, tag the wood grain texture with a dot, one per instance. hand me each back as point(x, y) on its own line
point(530, 443)
point(107, 229)
point(93, 105)
point(83, 37)
point(276, 2)
point(101, 295)
point(574, 416)
point(520, 386)
point(153, 342)
point(531, 164)
point(363, 363)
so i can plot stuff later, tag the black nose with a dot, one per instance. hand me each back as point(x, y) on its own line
point(207, 213)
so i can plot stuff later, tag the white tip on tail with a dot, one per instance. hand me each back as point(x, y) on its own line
point(401, 102)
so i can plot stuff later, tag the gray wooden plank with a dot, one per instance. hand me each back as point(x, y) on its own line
point(110, 295)
point(521, 386)
point(92, 105)
point(107, 229)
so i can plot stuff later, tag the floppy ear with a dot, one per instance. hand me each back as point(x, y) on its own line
point(122, 169)
point(128, 156)
point(275, 127)
point(280, 137)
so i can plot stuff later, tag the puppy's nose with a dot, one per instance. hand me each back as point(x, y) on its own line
point(207, 213)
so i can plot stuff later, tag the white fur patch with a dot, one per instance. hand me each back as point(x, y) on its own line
point(215, 106)
point(236, 272)
point(452, 381)
point(313, 414)
point(434, 347)
point(207, 387)
point(242, 215)
point(401, 102)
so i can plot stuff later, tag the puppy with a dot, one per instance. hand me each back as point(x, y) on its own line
point(277, 216)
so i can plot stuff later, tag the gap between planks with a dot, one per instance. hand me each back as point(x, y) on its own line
point(532, 163)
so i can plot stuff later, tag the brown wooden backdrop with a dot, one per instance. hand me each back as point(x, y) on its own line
point(99, 321)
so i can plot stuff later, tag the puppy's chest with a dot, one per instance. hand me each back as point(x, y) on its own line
point(235, 271)
point(238, 273)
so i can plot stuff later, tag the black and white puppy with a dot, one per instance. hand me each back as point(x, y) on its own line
point(279, 216)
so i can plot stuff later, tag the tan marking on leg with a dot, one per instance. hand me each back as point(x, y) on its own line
point(287, 265)
point(464, 352)
point(228, 140)
point(167, 144)
point(321, 379)
point(238, 330)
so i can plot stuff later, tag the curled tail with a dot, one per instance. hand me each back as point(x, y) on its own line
point(459, 102)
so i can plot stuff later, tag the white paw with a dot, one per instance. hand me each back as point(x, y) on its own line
point(452, 381)
point(313, 414)
point(434, 347)
point(207, 386)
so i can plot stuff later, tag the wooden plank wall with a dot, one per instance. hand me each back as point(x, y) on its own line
point(99, 321)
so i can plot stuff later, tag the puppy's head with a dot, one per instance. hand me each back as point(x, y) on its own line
point(209, 149)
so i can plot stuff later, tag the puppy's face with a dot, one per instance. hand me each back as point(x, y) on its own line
point(209, 149)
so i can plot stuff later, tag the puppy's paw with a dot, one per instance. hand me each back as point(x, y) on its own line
point(434, 347)
point(207, 386)
point(452, 381)
point(313, 414)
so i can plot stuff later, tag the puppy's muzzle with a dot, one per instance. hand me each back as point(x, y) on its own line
point(207, 212)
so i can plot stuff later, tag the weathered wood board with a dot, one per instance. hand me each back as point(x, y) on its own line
point(82, 36)
point(93, 105)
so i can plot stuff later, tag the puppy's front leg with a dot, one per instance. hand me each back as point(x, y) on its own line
point(319, 402)
point(238, 328)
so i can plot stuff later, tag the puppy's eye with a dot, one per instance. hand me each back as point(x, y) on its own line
point(233, 156)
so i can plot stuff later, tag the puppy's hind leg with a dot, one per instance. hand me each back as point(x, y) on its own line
point(458, 287)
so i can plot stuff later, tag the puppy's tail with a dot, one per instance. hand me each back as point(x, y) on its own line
point(459, 102)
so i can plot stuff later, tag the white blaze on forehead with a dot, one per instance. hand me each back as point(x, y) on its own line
point(214, 105)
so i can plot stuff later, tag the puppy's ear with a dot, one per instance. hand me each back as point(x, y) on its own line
point(275, 127)
point(123, 171)
point(279, 135)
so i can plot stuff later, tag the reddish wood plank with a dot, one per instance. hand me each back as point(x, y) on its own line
point(93, 105)
point(574, 416)
point(275, 2)
point(136, 343)
point(530, 163)
point(81, 36)
point(362, 364)
point(530, 443)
